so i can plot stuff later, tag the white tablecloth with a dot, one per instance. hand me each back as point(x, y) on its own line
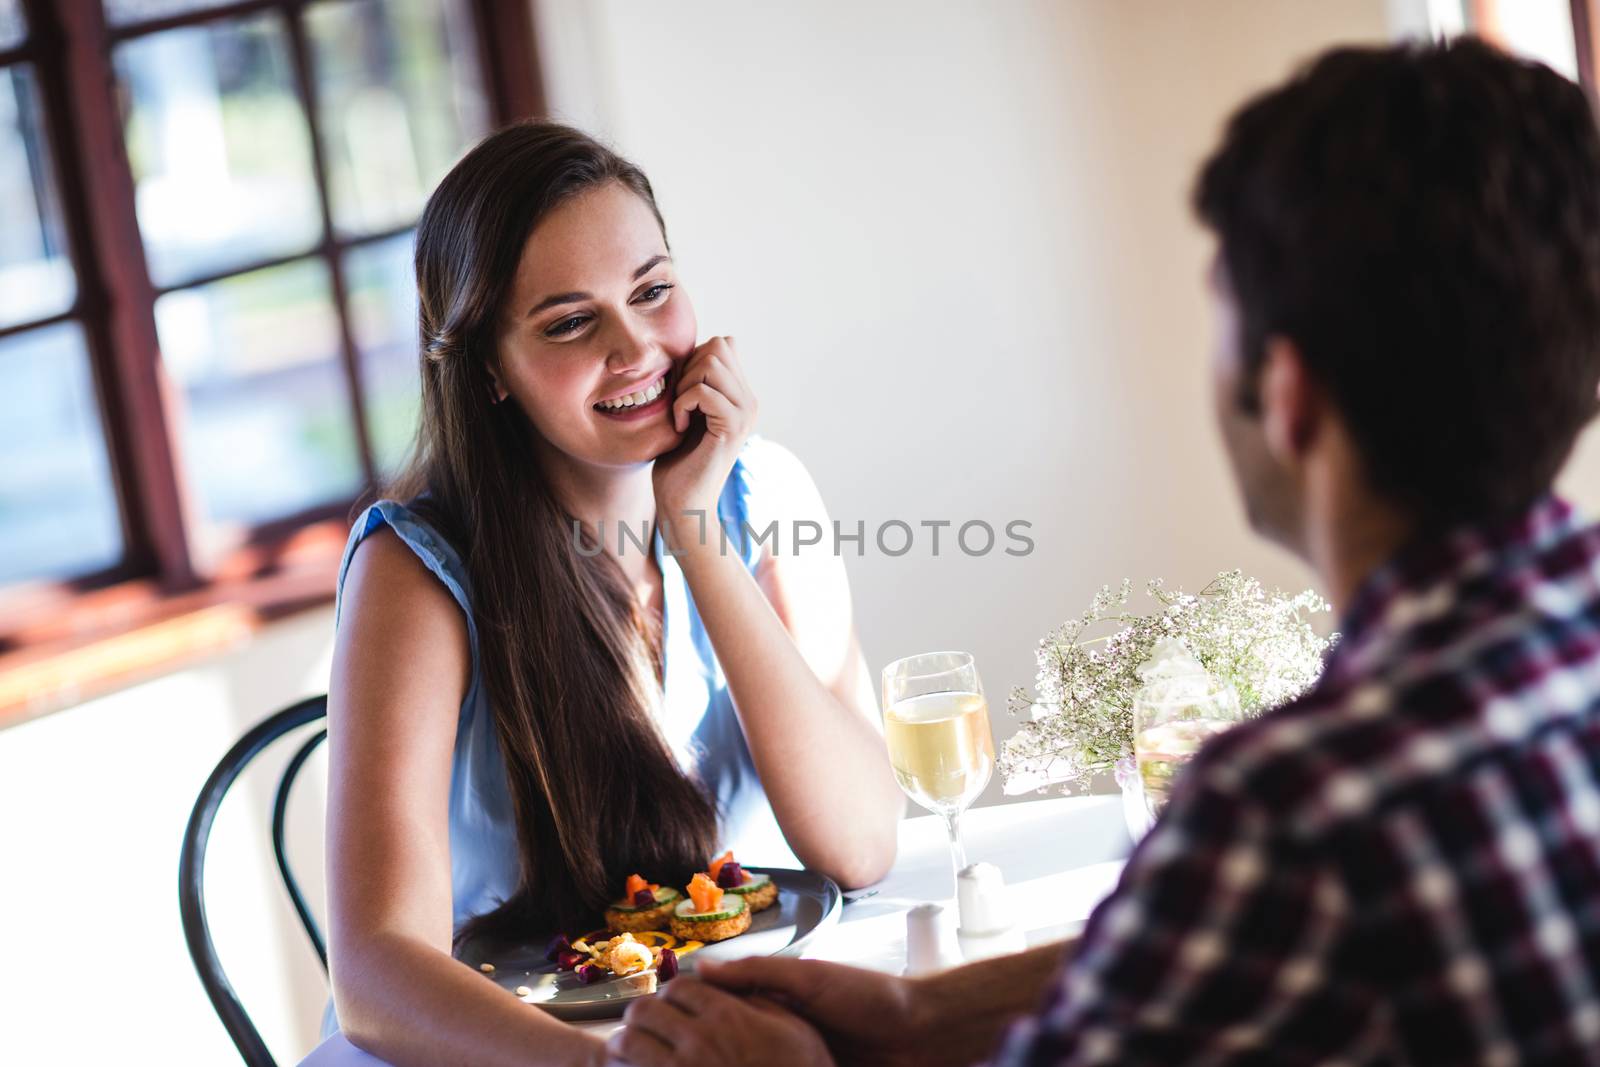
point(1059, 856)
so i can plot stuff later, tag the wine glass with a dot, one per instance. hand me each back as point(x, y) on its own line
point(936, 723)
point(1171, 720)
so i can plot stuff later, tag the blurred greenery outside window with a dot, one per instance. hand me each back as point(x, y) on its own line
point(275, 158)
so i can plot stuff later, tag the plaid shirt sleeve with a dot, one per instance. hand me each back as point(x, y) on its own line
point(1223, 942)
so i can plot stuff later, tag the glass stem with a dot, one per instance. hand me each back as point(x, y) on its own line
point(952, 826)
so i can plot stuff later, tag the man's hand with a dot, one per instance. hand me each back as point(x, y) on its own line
point(692, 1024)
point(866, 1016)
point(952, 1018)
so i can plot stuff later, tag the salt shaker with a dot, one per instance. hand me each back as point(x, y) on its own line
point(986, 928)
point(929, 944)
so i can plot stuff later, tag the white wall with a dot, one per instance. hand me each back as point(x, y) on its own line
point(953, 243)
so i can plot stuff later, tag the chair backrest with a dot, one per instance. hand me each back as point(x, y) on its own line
point(192, 866)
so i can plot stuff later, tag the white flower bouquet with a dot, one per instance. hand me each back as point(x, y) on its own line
point(1080, 719)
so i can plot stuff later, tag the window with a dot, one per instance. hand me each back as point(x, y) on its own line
point(57, 476)
point(1555, 32)
point(207, 315)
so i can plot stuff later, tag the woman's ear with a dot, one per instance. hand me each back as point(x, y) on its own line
point(497, 392)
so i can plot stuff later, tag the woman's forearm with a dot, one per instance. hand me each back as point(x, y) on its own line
point(408, 1003)
point(805, 741)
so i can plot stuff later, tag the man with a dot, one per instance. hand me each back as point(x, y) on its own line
point(1404, 865)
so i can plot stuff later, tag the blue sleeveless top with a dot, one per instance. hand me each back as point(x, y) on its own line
point(696, 712)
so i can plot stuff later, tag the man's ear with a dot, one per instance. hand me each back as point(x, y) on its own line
point(1291, 401)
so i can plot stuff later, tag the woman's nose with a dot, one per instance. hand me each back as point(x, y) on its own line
point(628, 347)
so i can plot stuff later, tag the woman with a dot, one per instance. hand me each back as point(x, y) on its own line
point(525, 709)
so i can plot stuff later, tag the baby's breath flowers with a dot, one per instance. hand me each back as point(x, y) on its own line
point(1261, 642)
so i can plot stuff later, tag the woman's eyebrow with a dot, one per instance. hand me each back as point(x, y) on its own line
point(649, 263)
point(573, 298)
point(558, 298)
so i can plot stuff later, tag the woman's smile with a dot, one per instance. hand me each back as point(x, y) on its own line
point(642, 403)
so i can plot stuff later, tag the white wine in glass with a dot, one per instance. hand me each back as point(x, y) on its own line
point(1172, 719)
point(936, 723)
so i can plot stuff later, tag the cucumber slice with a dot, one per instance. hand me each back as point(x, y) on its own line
point(731, 907)
point(665, 895)
point(757, 881)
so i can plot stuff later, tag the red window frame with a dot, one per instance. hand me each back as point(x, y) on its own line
point(48, 630)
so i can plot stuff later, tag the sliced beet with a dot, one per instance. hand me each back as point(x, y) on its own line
point(569, 959)
point(591, 972)
point(667, 966)
point(558, 945)
point(644, 898)
point(730, 875)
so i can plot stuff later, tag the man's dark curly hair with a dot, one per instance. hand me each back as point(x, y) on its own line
point(1423, 222)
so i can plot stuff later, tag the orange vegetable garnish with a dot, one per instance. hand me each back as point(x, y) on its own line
point(716, 864)
point(705, 894)
point(635, 883)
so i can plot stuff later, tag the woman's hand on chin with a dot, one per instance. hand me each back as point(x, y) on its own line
point(715, 410)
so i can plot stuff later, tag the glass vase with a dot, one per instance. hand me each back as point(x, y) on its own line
point(1135, 809)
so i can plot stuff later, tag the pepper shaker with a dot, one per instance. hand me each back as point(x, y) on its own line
point(986, 928)
point(929, 944)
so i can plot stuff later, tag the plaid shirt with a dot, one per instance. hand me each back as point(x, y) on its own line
point(1403, 866)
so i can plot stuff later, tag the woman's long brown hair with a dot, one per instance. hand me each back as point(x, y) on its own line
point(565, 653)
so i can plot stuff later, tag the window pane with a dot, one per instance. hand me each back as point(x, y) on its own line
point(1539, 29)
point(219, 146)
point(267, 428)
point(13, 25)
point(36, 279)
point(399, 99)
point(58, 510)
point(122, 12)
point(383, 312)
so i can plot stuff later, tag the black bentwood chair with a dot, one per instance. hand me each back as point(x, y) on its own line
point(192, 865)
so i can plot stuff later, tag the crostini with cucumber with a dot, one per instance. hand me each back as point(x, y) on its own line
point(644, 906)
point(710, 914)
point(759, 891)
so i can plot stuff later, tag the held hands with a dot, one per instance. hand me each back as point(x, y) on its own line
point(711, 385)
point(692, 1024)
point(865, 1017)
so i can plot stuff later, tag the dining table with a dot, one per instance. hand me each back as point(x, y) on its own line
point(1059, 856)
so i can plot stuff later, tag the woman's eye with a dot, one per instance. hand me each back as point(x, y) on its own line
point(654, 293)
point(566, 326)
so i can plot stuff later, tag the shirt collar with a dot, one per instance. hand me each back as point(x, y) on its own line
point(1419, 582)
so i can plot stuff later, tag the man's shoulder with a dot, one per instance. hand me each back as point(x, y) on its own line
point(1517, 655)
point(1349, 753)
point(1301, 762)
